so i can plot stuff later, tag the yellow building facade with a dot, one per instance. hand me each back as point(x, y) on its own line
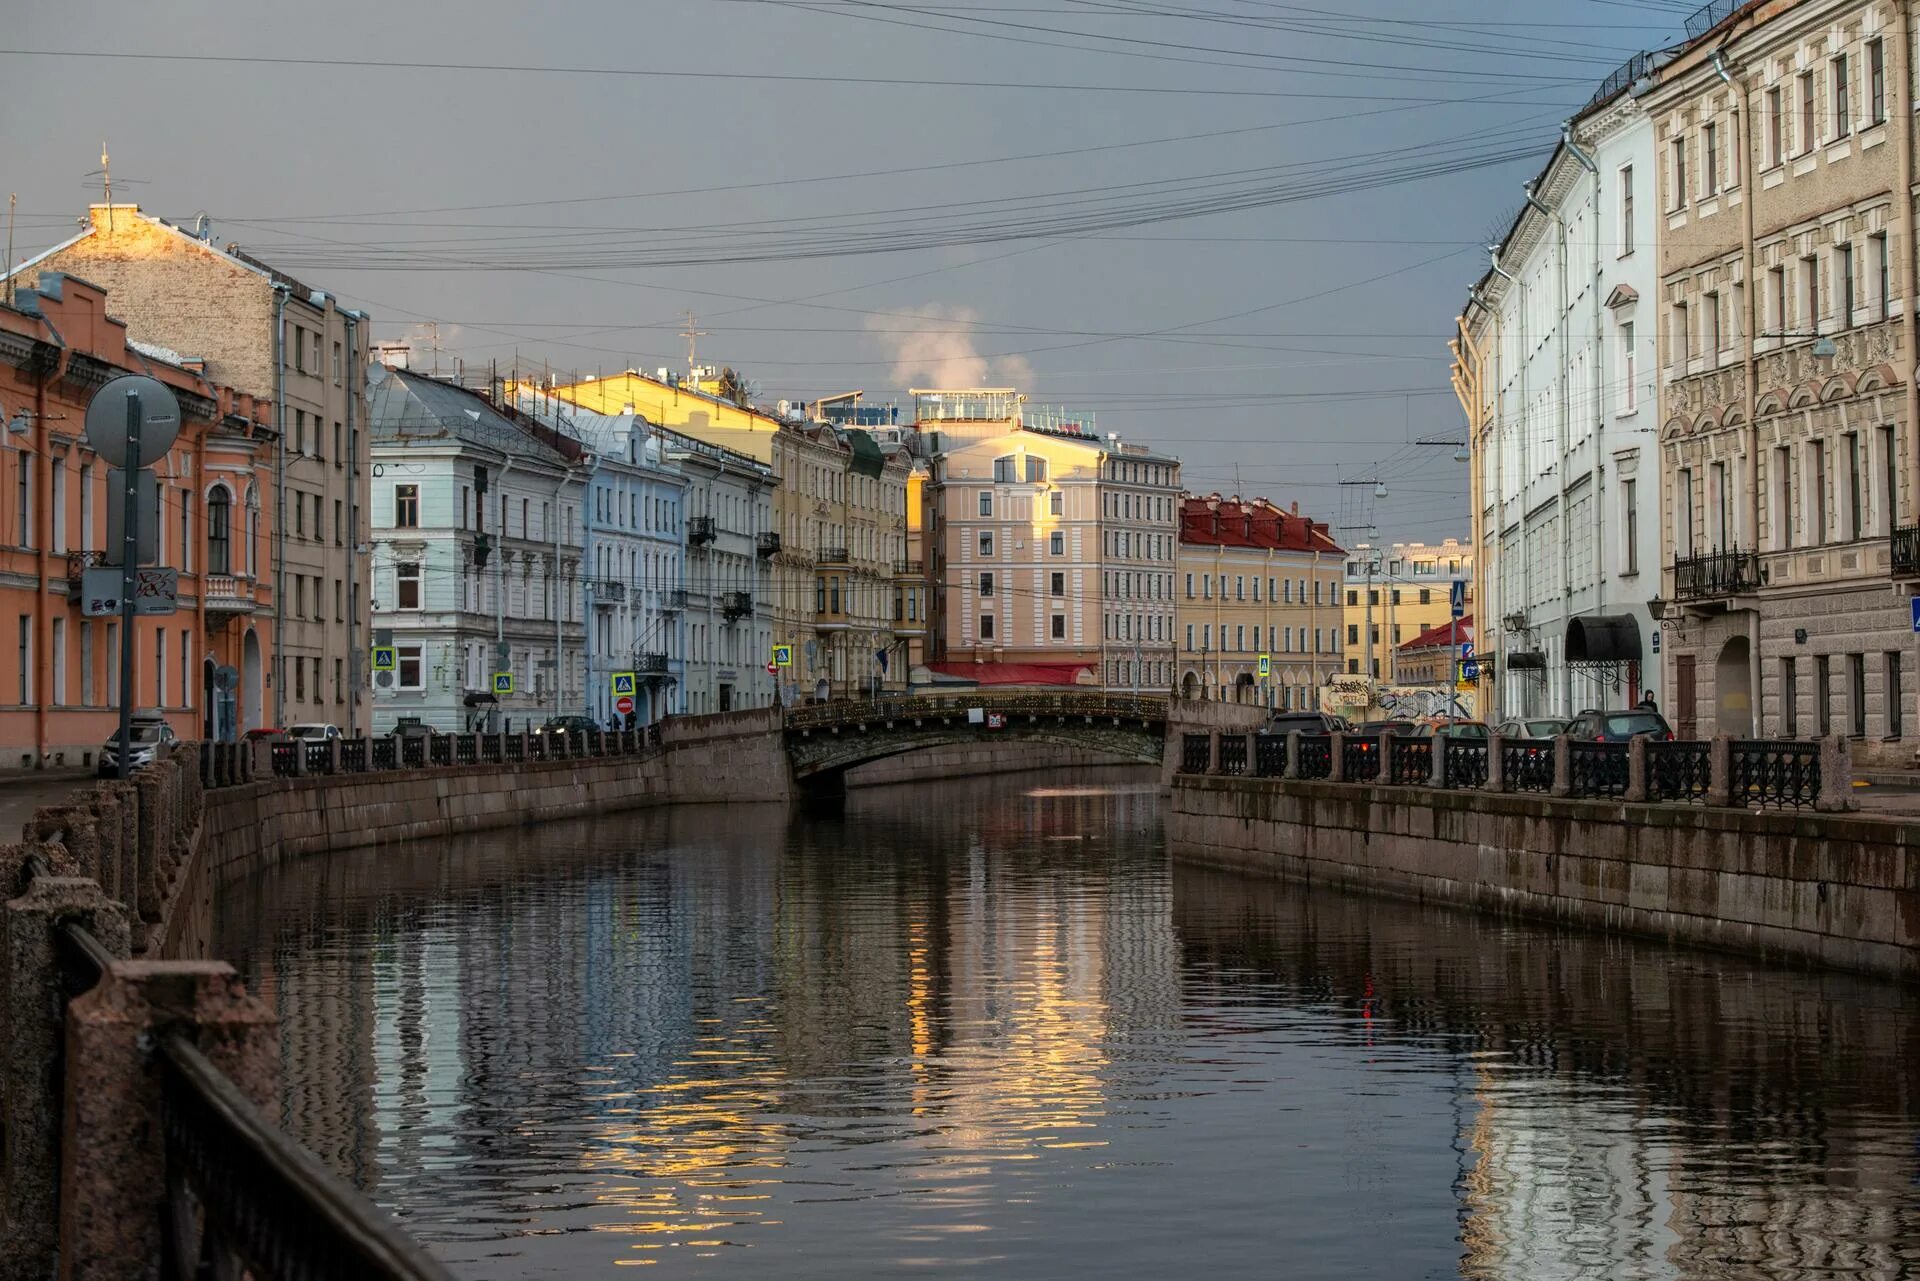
point(1393, 593)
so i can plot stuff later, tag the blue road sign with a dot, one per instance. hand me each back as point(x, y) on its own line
point(1458, 598)
point(1915, 602)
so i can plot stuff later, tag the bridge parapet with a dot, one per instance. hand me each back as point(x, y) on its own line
point(859, 712)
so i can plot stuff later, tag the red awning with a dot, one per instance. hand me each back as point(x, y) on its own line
point(1014, 673)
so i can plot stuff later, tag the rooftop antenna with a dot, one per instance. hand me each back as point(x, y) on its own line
point(692, 335)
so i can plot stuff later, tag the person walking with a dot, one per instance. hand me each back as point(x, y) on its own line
point(1646, 701)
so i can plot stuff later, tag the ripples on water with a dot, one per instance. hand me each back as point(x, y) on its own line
point(986, 1030)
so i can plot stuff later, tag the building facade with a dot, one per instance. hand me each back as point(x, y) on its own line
point(1432, 659)
point(1787, 404)
point(729, 618)
point(478, 545)
point(271, 337)
point(1256, 581)
point(1557, 368)
point(206, 666)
point(1393, 593)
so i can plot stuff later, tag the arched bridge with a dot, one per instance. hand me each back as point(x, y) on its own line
point(824, 741)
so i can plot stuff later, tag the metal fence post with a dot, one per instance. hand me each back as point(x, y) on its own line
point(1562, 765)
point(1720, 771)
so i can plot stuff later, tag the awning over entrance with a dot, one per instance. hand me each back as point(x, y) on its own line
point(1603, 638)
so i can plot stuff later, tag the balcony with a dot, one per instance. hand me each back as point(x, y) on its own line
point(699, 530)
point(909, 569)
point(225, 594)
point(1716, 575)
point(736, 605)
point(673, 600)
point(767, 544)
point(1906, 551)
point(78, 563)
point(608, 592)
point(831, 556)
point(650, 664)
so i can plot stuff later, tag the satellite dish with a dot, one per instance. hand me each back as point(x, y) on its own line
point(225, 678)
point(159, 414)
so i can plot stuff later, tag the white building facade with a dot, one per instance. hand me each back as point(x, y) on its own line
point(729, 586)
point(1557, 371)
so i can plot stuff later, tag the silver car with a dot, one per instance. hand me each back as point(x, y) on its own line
point(148, 734)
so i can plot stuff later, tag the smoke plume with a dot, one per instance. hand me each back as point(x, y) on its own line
point(932, 350)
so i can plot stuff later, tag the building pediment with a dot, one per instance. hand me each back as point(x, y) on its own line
point(1622, 296)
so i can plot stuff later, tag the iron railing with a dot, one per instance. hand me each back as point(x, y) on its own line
point(650, 664)
point(1678, 771)
point(383, 753)
point(1409, 761)
point(353, 755)
point(413, 751)
point(1233, 753)
point(1270, 755)
point(736, 604)
point(673, 600)
point(1316, 756)
point(1774, 774)
point(1466, 763)
point(699, 530)
point(1526, 764)
point(1596, 769)
point(1196, 753)
point(319, 756)
point(1716, 574)
point(283, 755)
point(1360, 758)
point(440, 750)
point(831, 556)
point(1710, 15)
point(861, 711)
point(244, 1199)
point(767, 543)
point(1904, 546)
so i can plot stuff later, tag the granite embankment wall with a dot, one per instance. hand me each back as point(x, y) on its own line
point(1837, 890)
point(974, 760)
point(732, 758)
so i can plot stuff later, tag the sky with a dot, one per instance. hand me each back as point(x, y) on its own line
point(1235, 230)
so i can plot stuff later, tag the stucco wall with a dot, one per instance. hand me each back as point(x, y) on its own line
point(1839, 891)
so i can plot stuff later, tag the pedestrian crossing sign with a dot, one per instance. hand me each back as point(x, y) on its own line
point(385, 658)
point(783, 656)
point(1266, 666)
point(503, 682)
point(622, 683)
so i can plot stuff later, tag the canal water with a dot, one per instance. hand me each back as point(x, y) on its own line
point(988, 1029)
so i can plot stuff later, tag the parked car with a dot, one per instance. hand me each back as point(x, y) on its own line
point(1305, 722)
point(1618, 727)
point(1386, 727)
point(313, 732)
point(1455, 729)
point(413, 729)
point(148, 733)
point(1533, 727)
point(569, 725)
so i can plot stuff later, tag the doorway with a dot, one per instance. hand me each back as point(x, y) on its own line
point(1733, 690)
point(1685, 698)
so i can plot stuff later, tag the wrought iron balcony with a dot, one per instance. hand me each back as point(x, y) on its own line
point(767, 544)
point(650, 664)
point(609, 591)
point(1715, 575)
point(78, 563)
point(699, 530)
point(832, 556)
point(909, 569)
point(1906, 550)
point(673, 600)
point(736, 604)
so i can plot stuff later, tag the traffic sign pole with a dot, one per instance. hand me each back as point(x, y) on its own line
point(129, 567)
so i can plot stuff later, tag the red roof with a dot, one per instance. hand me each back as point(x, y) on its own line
point(1014, 673)
point(1443, 636)
point(1231, 522)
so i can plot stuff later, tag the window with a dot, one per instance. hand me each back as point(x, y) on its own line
point(1807, 116)
point(319, 533)
point(1059, 625)
point(986, 542)
point(1677, 151)
point(1682, 336)
point(1777, 293)
point(1056, 544)
point(1683, 518)
point(1710, 327)
point(1855, 517)
point(1036, 470)
point(1239, 637)
point(1189, 637)
point(986, 584)
point(1818, 533)
point(219, 531)
point(986, 502)
point(1353, 633)
point(1776, 147)
point(1789, 697)
point(1842, 113)
point(408, 659)
point(1881, 264)
point(1783, 497)
point(406, 506)
point(1626, 210)
point(1057, 584)
point(986, 627)
point(1629, 523)
point(1857, 693)
point(1843, 269)
point(1629, 391)
point(1353, 598)
point(1006, 470)
point(1876, 82)
point(1426, 593)
point(1189, 586)
point(1894, 698)
point(1890, 482)
point(1709, 159)
point(406, 586)
point(26, 659)
point(1810, 273)
point(1239, 586)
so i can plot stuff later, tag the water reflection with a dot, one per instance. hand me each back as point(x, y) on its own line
point(987, 1030)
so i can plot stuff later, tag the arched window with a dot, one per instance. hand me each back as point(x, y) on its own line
point(220, 531)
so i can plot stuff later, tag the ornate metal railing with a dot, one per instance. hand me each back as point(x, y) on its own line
point(673, 600)
point(1774, 775)
point(492, 750)
point(383, 753)
point(1466, 763)
point(440, 750)
point(1409, 761)
point(1715, 575)
point(319, 757)
point(1526, 764)
point(516, 748)
point(1270, 755)
point(1905, 549)
point(1679, 771)
point(699, 530)
point(1596, 769)
point(353, 755)
point(283, 754)
point(767, 543)
point(1233, 753)
point(736, 604)
point(244, 1199)
point(1316, 756)
point(465, 750)
point(1196, 753)
point(860, 711)
point(1360, 758)
point(413, 751)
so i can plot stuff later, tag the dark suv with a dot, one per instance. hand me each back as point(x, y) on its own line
point(1305, 722)
point(569, 725)
point(1618, 727)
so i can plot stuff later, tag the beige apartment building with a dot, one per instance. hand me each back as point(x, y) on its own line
point(840, 534)
point(1394, 592)
point(1785, 185)
point(239, 322)
point(1051, 549)
point(1255, 581)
